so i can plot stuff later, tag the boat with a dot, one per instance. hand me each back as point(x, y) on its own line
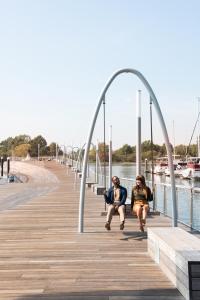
point(163, 168)
point(161, 165)
point(193, 163)
point(192, 171)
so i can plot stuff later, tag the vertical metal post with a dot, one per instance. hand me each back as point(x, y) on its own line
point(72, 156)
point(174, 141)
point(155, 198)
point(164, 201)
point(38, 152)
point(191, 207)
point(104, 142)
point(110, 158)
point(146, 165)
point(177, 201)
point(2, 161)
point(65, 155)
point(88, 168)
point(97, 157)
point(8, 166)
point(138, 133)
point(56, 152)
point(198, 137)
point(152, 156)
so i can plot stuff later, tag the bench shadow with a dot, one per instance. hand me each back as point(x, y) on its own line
point(134, 235)
point(170, 294)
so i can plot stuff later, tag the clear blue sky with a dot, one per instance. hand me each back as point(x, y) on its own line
point(56, 56)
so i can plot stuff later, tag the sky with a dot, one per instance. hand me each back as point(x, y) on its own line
point(56, 57)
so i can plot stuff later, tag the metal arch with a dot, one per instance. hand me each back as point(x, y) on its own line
point(166, 138)
point(69, 146)
point(72, 150)
point(80, 151)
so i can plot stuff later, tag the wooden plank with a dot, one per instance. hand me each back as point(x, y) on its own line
point(43, 257)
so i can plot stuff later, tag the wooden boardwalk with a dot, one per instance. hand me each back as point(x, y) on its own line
point(43, 257)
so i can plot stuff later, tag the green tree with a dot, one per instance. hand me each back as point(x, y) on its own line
point(6, 146)
point(21, 150)
point(192, 150)
point(180, 150)
point(38, 140)
point(101, 152)
point(21, 139)
point(52, 149)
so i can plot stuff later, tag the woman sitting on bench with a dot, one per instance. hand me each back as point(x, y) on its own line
point(140, 197)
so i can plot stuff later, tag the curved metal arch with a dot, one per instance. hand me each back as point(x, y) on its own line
point(80, 151)
point(72, 150)
point(166, 138)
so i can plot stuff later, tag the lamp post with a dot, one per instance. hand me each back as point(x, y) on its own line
point(138, 145)
point(64, 153)
point(73, 153)
point(69, 146)
point(110, 158)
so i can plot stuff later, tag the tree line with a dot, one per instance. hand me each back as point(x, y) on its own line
point(22, 145)
point(127, 153)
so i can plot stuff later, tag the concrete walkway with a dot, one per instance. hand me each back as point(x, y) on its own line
point(43, 257)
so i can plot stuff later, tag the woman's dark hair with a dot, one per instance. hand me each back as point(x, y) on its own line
point(142, 179)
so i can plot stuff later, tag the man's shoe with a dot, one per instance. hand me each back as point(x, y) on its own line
point(141, 228)
point(107, 226)
point(143, 222)
point(121, 226)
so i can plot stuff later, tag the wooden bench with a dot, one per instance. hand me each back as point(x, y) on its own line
point(129, 213)
point(89, 184)
point(79, 174)
point(98, 190)
point(178, 254)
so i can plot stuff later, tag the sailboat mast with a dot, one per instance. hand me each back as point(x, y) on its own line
point(174, 141)
point(198, 137)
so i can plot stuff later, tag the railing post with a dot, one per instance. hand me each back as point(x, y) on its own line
point(164, 200)
point(155, 198)
point(2, 161)
point(8, 166)
point(191, 207)
point(97, 157)
point(146, 165)
point(177, 202)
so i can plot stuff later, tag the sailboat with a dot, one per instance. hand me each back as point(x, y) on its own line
point(193, 163)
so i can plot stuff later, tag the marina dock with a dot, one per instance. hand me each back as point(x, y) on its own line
point(42, 255)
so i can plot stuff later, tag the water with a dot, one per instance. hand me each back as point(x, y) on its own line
point(188, 192)
point(129, 171)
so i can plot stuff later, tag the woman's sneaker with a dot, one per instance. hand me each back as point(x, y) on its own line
point(107, 226)
point(121, 226)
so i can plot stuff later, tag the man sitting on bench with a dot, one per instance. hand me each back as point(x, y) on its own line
point(115, 197)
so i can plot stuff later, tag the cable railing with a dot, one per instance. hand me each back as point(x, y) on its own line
point(188, 201)
point(188, 198)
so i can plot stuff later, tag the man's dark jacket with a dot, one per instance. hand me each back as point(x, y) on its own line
point(109, 196)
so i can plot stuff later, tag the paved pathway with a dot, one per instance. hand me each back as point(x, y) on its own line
point(43, 257)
